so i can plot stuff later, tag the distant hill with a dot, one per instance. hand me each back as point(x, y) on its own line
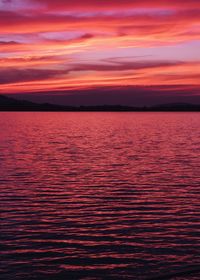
point(7, 101)
point(11, 104)
point(179, 106)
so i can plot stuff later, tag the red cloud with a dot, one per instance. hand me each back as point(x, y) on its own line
point(90, 31)
point(13, 75)
point(117, 4)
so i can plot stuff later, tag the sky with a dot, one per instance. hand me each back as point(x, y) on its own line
point(100, 51)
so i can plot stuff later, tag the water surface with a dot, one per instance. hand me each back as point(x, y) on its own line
point(99, 195)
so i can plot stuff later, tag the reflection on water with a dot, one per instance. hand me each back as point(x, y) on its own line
point(99, 195)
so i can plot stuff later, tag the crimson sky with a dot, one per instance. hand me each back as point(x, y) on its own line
point(63, 47)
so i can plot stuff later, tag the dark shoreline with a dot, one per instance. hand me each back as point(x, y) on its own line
point(8, 104)
point(86, 109)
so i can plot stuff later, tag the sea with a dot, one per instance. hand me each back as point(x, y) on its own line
point(99, 195)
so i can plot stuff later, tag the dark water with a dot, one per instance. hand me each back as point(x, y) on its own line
point(100, 195)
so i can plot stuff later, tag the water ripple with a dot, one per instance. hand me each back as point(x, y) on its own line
point(100, 196)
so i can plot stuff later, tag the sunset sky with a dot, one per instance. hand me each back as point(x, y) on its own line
point(145, 51)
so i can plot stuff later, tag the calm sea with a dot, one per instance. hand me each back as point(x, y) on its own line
point(100, 195)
